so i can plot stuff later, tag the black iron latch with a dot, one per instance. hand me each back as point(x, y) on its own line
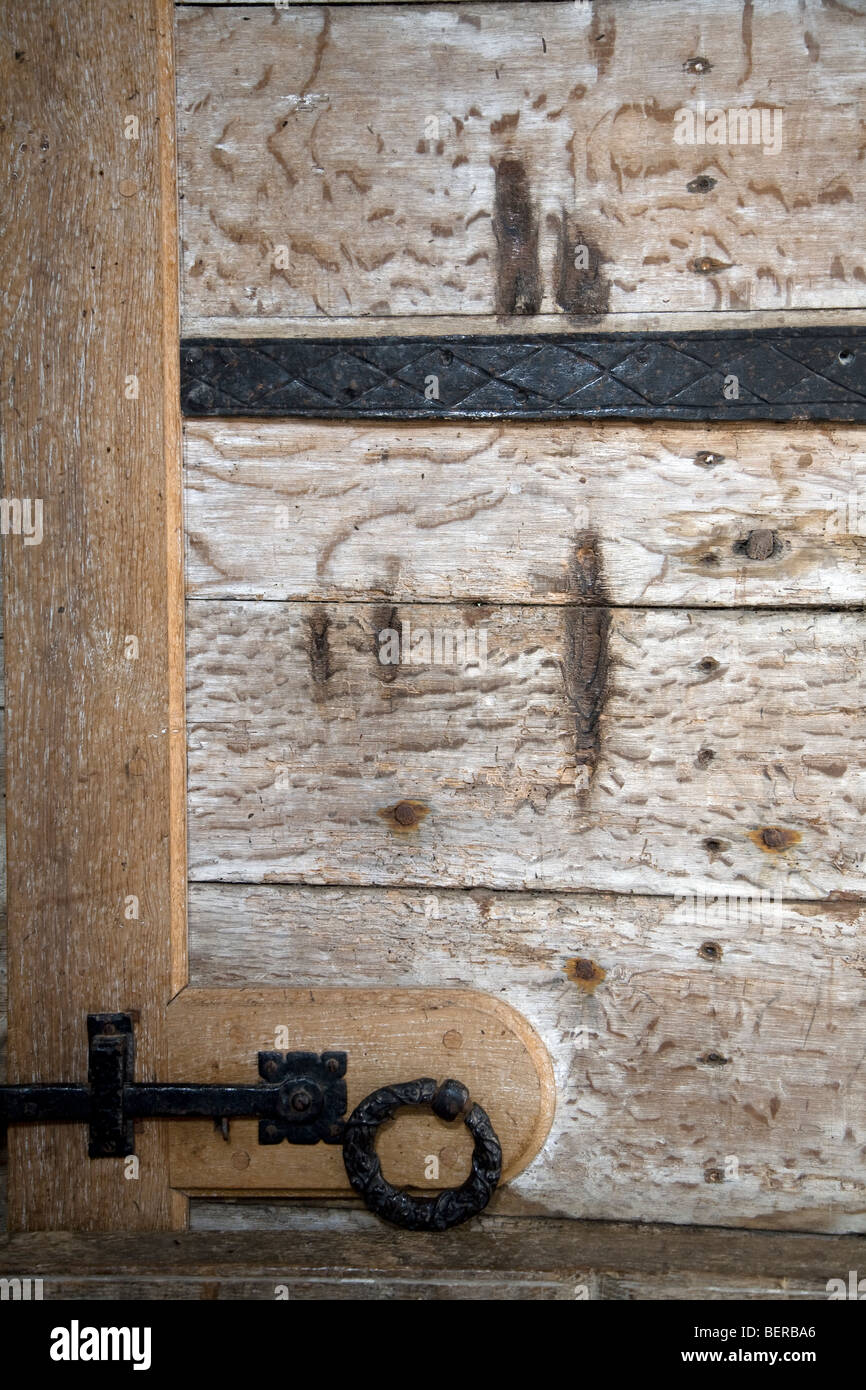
point(301, 1098)
point(305, 1101)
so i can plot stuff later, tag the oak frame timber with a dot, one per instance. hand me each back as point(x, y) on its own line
point(94, 723)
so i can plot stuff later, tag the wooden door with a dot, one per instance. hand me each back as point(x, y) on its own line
point(611, 778)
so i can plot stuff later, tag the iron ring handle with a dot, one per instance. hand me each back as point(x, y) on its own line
point(448, 1208)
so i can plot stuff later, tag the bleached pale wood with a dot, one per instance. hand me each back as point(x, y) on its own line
point(644, 1125)
point(314, 129)
point(712, 727)
point(94, 741)
point(390, 1036)
point(313, 510)
point(420, 325)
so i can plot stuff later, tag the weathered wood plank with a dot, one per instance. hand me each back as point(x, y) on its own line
point(328, 172)
point(304, 510)
point(91, 428)
point(707, 1054)
point(447, 325)
point(589, 749)
point(356, 1288)
point(351, 1222)
point(494, 1253)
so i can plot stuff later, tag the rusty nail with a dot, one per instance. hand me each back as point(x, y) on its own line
point(759, 545)
point(773, 837)
point(404, 813)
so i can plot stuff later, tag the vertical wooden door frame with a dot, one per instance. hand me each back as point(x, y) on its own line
point(93, 580)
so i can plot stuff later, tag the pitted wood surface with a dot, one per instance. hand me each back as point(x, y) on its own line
point(407, 512)
point(707, 1053)
point(453, 160)
point(725, 748)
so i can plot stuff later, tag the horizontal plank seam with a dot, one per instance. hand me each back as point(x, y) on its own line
point(378, 597)
point(226, 326)
point(724, 889)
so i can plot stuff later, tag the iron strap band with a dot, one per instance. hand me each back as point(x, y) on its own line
point(726, 375)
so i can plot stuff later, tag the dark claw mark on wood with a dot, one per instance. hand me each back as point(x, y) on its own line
point(579, 289)
point(586, 661)
point(384, 619)
point(319, 648)
point(515, 226)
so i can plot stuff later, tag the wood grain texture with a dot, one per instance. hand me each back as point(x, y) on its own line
point(408, 512)
point(466, 183)
point(692, 1032)
point(722, 748)
point(544, 1259)
point(94, 740)
point(446, 325)
point(684, 1277)
point(390, 1036)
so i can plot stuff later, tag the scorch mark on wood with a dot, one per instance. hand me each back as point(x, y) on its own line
point(585, 660)
point(515, 226)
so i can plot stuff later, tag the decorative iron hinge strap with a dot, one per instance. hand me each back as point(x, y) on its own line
point(302, 1098)
point(797, 373)
point(304, 1102)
